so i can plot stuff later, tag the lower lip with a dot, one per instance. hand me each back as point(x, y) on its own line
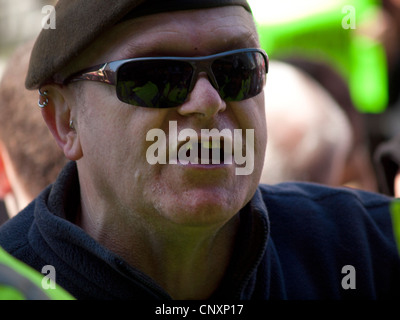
point(210, 166)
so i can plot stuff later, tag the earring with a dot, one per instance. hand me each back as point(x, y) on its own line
point(46, 99)
point(71, 125)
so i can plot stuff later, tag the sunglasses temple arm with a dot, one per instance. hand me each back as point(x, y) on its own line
point(99, 73)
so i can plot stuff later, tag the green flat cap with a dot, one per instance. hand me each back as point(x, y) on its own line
point(80, 22)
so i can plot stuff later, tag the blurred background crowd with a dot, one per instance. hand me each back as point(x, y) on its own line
point(332, 96)
point(19, 21)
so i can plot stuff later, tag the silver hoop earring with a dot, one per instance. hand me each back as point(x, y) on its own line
point(46, 99)
point(71, 125)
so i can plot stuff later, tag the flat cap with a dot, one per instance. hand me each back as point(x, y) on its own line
point(80, 22)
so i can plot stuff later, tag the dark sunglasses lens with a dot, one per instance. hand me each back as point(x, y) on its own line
point(155, 83)
point(240, 76)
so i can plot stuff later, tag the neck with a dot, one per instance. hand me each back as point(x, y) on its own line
point(187, 262)
point(191, 264)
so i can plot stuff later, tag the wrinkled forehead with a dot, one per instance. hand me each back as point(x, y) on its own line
point(179, 33)
point(81, 22)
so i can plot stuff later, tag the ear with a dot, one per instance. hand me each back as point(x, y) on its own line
point(58, 116)
point(5, 186)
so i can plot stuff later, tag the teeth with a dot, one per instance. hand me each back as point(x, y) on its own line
point(209, 153)
point(211, 144)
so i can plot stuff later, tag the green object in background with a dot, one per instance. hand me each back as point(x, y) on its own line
point(395, 213)
point(18, 281)
point(328, 35)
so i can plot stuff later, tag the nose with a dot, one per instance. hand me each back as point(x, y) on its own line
point(204, 100)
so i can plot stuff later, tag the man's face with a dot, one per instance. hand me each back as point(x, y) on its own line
point(114, 171)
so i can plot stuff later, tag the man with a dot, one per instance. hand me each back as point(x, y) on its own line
point(115, 226)
point(29, 158)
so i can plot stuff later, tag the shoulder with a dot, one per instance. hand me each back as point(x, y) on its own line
point(320, 193)
point(311, 197)
point(318, 230)
point(325, 211)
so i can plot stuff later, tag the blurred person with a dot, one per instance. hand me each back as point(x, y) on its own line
point(116, 226)
point(309, 135)
point(3, 212)
point(388, 26)
point(387, 162)
point(348, 61)
point(29, 157)
point(384, 126)
point(359, 171)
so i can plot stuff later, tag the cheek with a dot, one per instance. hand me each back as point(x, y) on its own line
point(114, 153)
point(249, 116)
point(257, 121)
point(252, 116)
point(106, 139)
point(114, 134)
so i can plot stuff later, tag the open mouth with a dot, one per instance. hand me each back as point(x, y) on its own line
point(208, 151)
point(210, 148)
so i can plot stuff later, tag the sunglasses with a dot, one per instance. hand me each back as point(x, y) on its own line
point(165, 82)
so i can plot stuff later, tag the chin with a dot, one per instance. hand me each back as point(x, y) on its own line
point(204, 208)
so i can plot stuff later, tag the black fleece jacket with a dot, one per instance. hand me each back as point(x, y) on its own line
point(295, 241)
